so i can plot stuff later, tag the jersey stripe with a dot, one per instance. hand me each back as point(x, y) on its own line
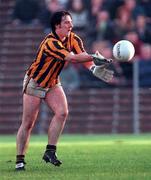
point(55, 72)
point(44, 75)
point(57, 45)
point(61, 55)
point(40, 66)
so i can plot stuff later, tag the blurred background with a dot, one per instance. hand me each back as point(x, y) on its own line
point(124, 106)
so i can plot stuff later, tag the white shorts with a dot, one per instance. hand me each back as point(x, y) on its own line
point(32, 88)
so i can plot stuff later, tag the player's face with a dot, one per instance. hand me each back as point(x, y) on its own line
point(66, 25)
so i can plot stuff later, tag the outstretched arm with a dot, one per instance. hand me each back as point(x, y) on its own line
point(79, 58)
point(97, 64)
point(83, 57)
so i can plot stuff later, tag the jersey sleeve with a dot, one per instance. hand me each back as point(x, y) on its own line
point(77, 44)
point(56, 50)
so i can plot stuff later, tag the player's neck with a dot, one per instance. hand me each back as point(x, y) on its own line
point(61, 37)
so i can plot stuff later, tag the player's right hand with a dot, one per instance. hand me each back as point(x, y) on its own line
point(100, 60)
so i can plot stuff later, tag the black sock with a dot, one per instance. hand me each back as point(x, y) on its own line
point(51, 147)
point(20, 158)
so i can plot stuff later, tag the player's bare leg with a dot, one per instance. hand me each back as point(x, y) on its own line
point(31, 106)
point(56, 100)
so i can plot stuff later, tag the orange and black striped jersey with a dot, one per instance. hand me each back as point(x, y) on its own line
point(50, 57)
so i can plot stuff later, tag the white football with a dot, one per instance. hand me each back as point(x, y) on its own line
point(123, 50)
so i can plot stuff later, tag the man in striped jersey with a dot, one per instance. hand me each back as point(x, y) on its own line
point(42, 82)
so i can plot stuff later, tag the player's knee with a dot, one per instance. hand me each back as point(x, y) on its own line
point(28, 126)
point(62, 115)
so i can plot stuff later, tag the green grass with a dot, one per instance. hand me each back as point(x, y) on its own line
point(85, 157)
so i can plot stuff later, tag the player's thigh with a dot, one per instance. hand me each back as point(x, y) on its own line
point(56, 100)
point(31, 105)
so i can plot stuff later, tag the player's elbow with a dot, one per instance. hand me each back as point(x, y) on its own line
point(70, 57)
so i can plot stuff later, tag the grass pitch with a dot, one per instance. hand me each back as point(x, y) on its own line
point(85, 157)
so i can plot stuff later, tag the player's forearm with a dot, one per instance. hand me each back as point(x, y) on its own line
point(88, 65)
point(79, 58)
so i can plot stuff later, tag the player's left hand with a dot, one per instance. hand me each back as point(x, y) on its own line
point(102, 73)
point(100, 60)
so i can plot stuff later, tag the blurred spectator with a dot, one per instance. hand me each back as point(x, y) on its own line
point(131, 8)
point(79, 17)
point(146, 5)
point(112, 6)
point(26, 12)
point(125, 19)
point(49, 8)
point(128, 66)
point(95, 6)
point(134, 38)
point(145, 66)
point(63, 3)
point(121, 25)
point(70, 79)
point(142, 28)
point(103, 26)
point(145, 52)
point(104, 47)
